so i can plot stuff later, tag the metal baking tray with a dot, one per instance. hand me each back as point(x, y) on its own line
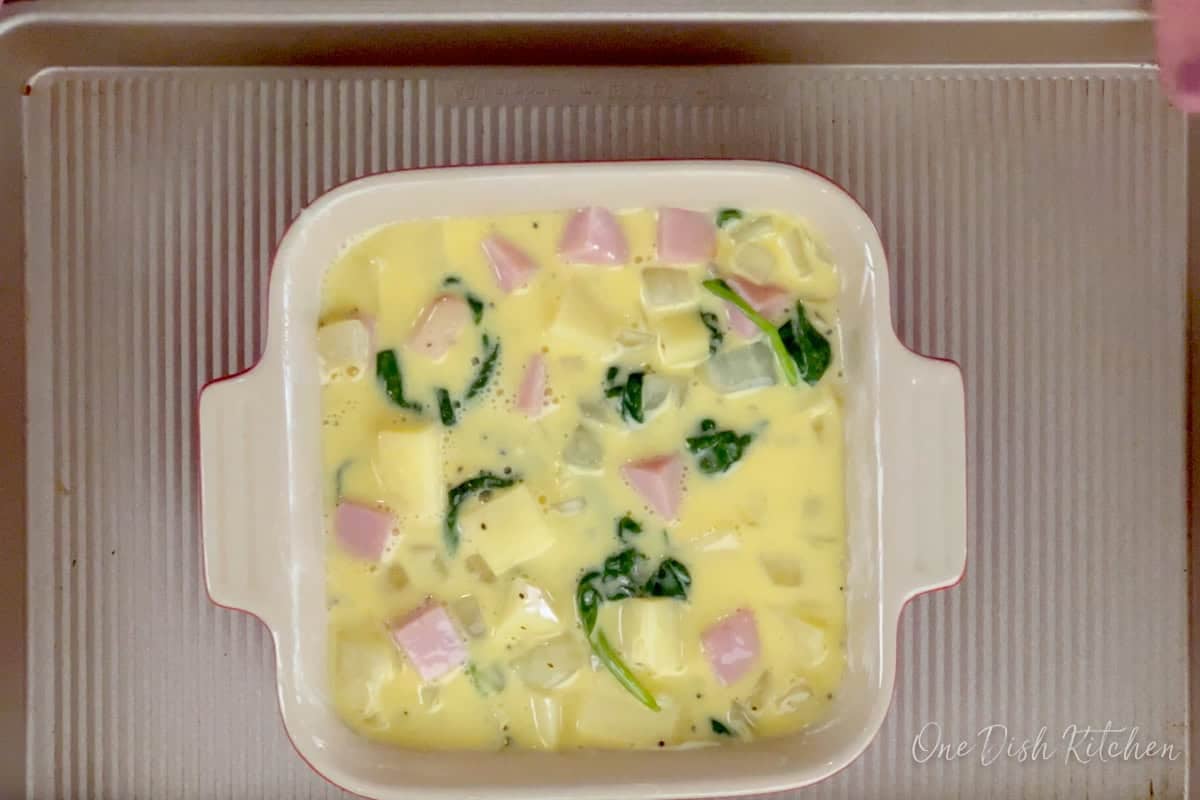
point(1028, 177)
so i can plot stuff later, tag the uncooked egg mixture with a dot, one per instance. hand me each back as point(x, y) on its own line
point(584, 479)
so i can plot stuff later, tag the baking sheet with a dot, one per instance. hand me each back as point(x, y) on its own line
point(1035, 219)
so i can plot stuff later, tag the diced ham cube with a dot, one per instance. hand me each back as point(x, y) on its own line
point(770, 301)
point(659, 481)
point(511, 265)
point(731, 645)
point(532, 393)
point(430, 639)
point(362, 531)
point(594, 236)
point(685, 237)
point(438, 327)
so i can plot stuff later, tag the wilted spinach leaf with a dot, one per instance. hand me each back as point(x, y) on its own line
point(491, 355)
point(720, 728)
point(727, 216)
point(671, 579)
point(717, 450)
point(459, 494)
point(627, 527)
point(445, 407)
point(808, 348)
point(715, 335)
point(387, 372)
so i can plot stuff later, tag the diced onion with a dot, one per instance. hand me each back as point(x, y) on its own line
point(742, 369)
point(570, 507)
point(583, 451)
point(550, 664)
point(667, 289)
point(658, 392)
point(755, 261)
point(783, 571)
point(466, 610)
point(752, 229)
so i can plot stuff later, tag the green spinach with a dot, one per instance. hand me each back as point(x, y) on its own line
point(473, 300)
point(715, 335)
point(487, 367)
point(629, 393)
point(387, 372)
point(810, 351)
point(445, 407)
point(627, 527)
point(727, 216)
point(622, 576)
point(484, 481)
point(720, 728)
point(587, 603)
point(724, 291)
point(717, 450)
point(671, 579)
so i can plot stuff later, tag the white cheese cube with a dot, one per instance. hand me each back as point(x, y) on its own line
point(409, 465)
point(583, 326)
point(507, 530)
point(343, 349)
point(682, 340)
point(649, 633)
point(527, 614)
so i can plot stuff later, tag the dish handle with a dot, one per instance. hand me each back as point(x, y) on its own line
point(924, 481)
point(243, 494)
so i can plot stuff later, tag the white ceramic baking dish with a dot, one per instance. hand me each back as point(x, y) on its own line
point(261, 473)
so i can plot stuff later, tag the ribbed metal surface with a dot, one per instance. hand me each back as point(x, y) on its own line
point(1035, 223)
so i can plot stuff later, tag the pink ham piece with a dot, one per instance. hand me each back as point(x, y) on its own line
point(430, 639)
point(685, 237)
point(659, 481)
point(731, 645)
point(511, 265)
point(438, 327)
point(593, 236)
point(532, 393)
point(770, 301)
point(362, 531)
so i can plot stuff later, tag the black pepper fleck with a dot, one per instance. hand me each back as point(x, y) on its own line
point(661, 743)
point(535, 225)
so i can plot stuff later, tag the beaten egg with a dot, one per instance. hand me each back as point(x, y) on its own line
point(584, 474)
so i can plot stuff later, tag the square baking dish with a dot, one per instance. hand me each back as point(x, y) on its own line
point(262, 515)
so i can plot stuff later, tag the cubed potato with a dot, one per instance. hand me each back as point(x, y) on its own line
point(547, 713)
point(583, 326)
point(527, 614)
point(810, 640)
point(682, 340)
point(507, 530)
point(364, 665)
point(650, 634)
point(409, 463)
point(343, 349)
point(610, 716)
